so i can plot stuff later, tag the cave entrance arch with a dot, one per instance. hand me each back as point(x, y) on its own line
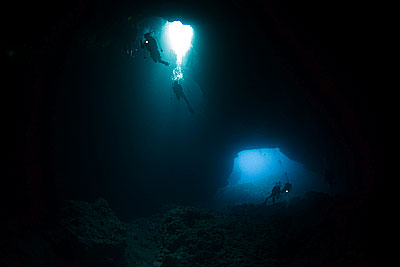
point(256, 171)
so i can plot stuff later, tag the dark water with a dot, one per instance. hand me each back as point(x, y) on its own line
point(84, 120)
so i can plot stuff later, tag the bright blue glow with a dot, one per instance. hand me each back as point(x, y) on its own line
point(253, 165)
point(180, 40)
point(252, 161)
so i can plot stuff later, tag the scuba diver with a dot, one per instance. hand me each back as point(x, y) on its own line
point(178, 90)
point(286, 188)
point(276, 191)
point(150, 45)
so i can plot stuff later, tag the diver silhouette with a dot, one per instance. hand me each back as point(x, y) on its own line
point(150, 45)
point(178, 90)
point(276, 191)
point(286, 188)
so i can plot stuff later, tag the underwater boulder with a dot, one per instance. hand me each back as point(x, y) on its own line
point(96, 234)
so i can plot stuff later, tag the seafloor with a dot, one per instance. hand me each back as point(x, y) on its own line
point(313, 230)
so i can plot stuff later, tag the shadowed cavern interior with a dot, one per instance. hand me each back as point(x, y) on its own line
point(96, 133)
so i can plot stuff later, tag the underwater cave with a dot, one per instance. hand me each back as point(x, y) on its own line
point(255, 172)
point(169, 133)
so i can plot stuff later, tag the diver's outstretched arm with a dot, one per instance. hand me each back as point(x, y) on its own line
point(164, 62)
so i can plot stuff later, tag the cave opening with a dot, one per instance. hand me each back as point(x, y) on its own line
point(255, 172)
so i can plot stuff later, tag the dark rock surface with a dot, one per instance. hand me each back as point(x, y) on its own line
point(298, 233)
point(142, 244)
point(87, 234)
point(313, 230)
point(96, 234)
